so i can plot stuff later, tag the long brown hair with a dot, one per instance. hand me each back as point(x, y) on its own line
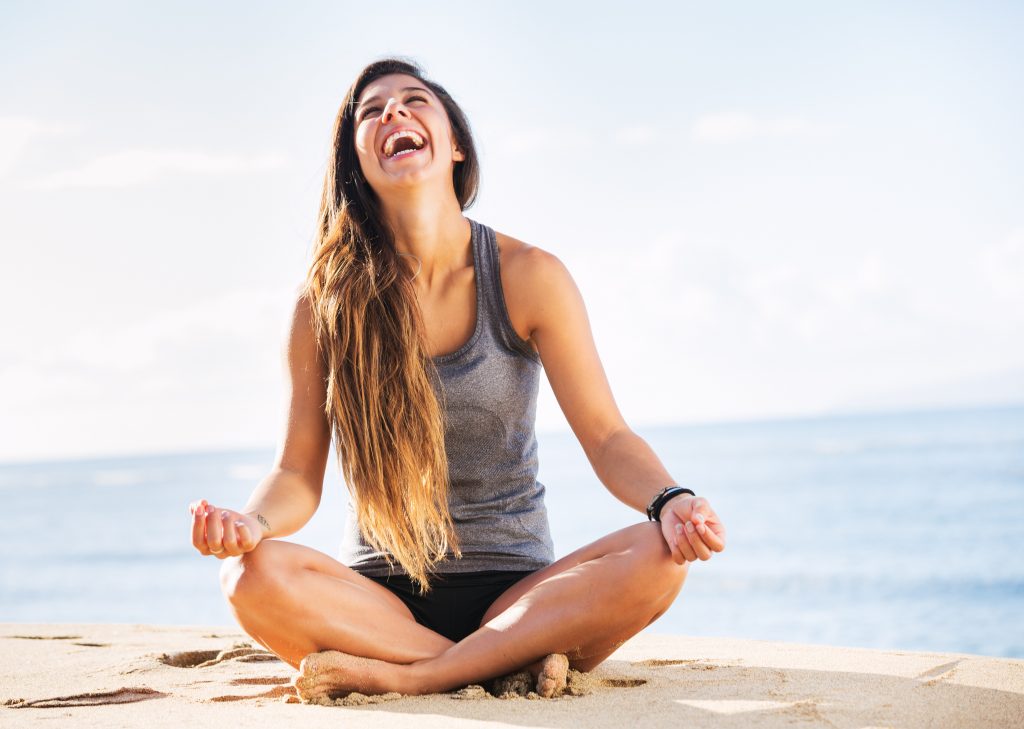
point(382, 387)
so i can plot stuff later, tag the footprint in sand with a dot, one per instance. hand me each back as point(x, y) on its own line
point(97, 698)
point(940, 673)
point(622, 682)
point(59, 637)
point(243, 652)
point(261, 681)
point(275, 693)
point(663, 662)
point(201, 659)
point(694, 663)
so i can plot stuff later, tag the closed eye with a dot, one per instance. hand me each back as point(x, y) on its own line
point(366, 112)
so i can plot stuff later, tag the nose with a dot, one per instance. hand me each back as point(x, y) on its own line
point(392, 109)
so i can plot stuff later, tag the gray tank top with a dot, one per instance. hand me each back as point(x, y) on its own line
point(495, 499)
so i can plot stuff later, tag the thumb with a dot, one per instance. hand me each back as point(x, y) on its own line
point(246, 541)
point(699, 509)
point(669, 522)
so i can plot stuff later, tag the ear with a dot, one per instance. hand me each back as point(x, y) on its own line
point(458, 155)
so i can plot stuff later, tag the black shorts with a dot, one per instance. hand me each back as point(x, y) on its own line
point(456, 602)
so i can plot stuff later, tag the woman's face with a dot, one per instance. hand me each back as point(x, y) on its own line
point(394, 103)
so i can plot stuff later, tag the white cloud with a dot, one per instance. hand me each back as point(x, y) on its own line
point(709, 291)
point(1003, 267)
point(230, 320)
point(636, 136)
point(140, 166)
point(212, 341)
point(727, 127)
point(714, 128)
point(808, 302)
point(570, 138)
point(18, 132)
point(524, 140)
point(205, 375)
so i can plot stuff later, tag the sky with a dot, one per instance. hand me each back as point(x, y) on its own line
point(771, 210)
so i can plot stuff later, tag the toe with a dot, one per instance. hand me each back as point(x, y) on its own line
point(305, 681)
point(552, 679)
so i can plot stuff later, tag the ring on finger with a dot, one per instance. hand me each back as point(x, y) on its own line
point(217, 551)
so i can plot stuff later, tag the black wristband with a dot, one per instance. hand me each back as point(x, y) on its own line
point(669, 492)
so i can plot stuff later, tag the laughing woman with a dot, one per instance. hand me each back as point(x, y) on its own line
point(416, 344)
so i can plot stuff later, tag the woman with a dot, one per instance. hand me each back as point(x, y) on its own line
point(416, 344)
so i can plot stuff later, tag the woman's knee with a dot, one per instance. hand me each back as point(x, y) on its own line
point(654, 558)
point(250, 573)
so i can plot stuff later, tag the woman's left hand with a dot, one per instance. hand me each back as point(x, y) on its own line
point(691, 528)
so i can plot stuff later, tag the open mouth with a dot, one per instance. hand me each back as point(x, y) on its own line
point(403, 143)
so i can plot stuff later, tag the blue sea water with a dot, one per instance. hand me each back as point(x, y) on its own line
point(895, 531)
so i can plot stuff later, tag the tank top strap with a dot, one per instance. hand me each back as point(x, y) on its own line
point(495, 311)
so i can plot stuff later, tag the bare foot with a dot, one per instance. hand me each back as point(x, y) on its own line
point(333, 674)
point(554, 669)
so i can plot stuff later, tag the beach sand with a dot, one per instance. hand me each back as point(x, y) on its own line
point(111, 675)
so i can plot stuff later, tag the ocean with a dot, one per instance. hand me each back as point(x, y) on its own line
point(896, 531)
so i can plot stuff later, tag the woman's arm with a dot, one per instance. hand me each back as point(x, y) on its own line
point(628, 466)
point(560, 327)
point(283, 503)
point(623, 461)
point(289, 496)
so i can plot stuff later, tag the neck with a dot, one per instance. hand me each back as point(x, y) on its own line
point(437, 234)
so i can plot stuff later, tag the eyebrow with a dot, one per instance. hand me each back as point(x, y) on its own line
point(377, 98)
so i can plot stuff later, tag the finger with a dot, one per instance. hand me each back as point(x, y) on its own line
point(701, 549)
point(677, 506)
point(669, 535)
point(199, 531)
point(710, 529)
point(214, 531)
point(700, 508)
point(245, 539)
point(700, 522)
point(713, 536)
point(230, 538)
point(684, 544)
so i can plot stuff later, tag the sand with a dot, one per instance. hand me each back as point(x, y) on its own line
point(111, 675)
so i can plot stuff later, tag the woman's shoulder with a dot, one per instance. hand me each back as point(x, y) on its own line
point(523, 261)
point(530, 278)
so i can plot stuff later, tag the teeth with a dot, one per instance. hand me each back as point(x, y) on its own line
point(389, 143)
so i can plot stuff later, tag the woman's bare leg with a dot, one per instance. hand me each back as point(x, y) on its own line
point(295, 600)
point(585, 605)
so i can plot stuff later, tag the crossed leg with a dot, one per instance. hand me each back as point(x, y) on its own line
point(584, 605)
point(296, 601)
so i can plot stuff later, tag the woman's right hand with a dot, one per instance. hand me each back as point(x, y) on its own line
point(223, 532)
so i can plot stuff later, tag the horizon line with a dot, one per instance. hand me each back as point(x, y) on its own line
point(764, 420)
